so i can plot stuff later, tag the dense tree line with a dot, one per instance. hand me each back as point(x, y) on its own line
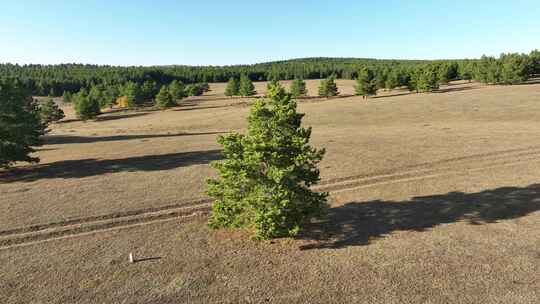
point(55, 80)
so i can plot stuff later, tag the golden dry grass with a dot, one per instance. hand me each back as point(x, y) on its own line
point(433, 201)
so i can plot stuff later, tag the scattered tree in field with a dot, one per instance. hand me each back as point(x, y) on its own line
point(272, 83)
point(392, 80)
point(67, 97)
point(177, 90)
point(414, 76)
point(164, 99)
point(20, 124)
point(133, 93)
point(534, 63)
point(446, 72)
point(381, 76)
point(264, 182)
point(425, 79)
point(110, 95)
point(328, 87)
point(298, 88)
point(366, 83)
point(205, 86)
point(233, 87)
point(514, 68)
point(466, 70)
point(149, 89)
point(246, 86)
point(49, 112)
point(194, 89)
point(86, 107)
point(96, 94)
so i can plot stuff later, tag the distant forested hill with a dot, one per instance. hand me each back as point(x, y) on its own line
point(54, 80)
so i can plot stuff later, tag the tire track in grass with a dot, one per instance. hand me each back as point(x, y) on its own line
point(201, 206)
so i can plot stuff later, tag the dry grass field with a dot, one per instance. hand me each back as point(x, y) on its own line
point(435, 198)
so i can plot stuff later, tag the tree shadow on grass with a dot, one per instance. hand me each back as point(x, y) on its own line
point(107, 117)
point(69, 139)
point(120, 116)
point(392, 94)
point(358, 223)
point(455, 89)
point(92, 167)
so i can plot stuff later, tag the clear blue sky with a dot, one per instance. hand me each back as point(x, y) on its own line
point(203, 32)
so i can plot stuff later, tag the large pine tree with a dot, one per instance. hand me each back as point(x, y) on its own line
point(20, 124)
point(264, 181)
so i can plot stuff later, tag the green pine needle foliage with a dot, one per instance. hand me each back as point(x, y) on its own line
point(232, 88)
point(328, 87)
point(86, 107)
point(177, 90)
point(246, 86)
point(298, 88)
point(20, 124)
point(164, 99)
point(366, 84)
point(49, 112)
point(264, 181)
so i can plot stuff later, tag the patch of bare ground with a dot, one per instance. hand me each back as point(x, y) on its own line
point(434, 198)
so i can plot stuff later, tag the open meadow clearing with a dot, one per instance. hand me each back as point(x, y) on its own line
point(434, 197)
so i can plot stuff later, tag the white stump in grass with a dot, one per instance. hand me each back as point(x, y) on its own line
point(131, 259)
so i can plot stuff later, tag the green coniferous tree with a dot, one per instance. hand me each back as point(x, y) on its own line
point(164, 99)
point(85, 106)
point(110, 94)
point(264, 181)
point(133, 93)
point(194, 89)
point(328, 87)
point(514, 68)
point(366, 83)
point(272, 83)
point(427, 79)
point(20, 124)
point(67, 97)
point(466, 70)
point(392, 81)
point(96, 94)
point(233, 87)
point(149, 89)
point(177, 90)
point(246, 86)
point(298, 88)
point(323, 88)
point(205, 86)
point(50, 112)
